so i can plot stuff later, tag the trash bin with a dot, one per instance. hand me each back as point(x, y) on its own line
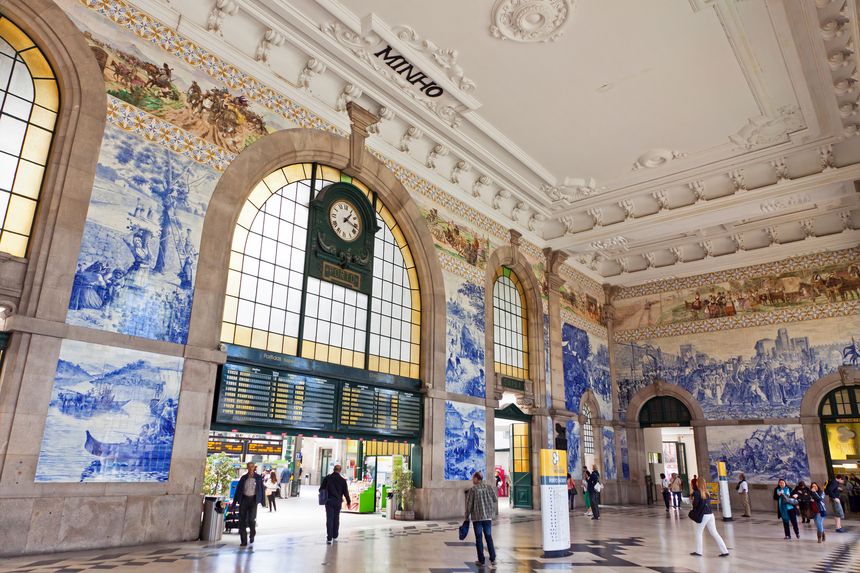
point(213, 518)
point(391, 505)
point(295, 488)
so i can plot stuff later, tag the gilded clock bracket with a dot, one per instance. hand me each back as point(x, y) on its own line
point(360, 120)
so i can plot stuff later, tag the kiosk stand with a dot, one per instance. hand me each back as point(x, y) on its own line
point(555, 517)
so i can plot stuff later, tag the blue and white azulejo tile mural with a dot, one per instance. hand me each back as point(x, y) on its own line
point(465, 440)
point(465, 333)
point(112, 415)
point(625, 454)
point(573, 464)
point(610, 470)
point(747, 373)
point(138, 259)
point(763, 453)
point(586, 365)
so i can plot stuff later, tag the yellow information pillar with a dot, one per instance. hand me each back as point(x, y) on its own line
point(555, 517)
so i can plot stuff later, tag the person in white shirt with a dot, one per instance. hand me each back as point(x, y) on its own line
point(744, 491)
point(664, 483)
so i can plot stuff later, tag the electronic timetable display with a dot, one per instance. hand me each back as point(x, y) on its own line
point(267, 397)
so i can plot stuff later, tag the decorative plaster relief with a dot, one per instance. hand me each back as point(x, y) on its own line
point(482, 183)
point(460, 168)
point(500, 196)
point(222, 8)
point(534, 220)
point(411, 134)
point(312, 68)
point(350, 92)
point(610, 244)
point(530, 20)
point(774, 205)
point(656, 157)
point(765, 131)
point(438, 150)
point(572, 190)
point(270, 38)
point(442, 57)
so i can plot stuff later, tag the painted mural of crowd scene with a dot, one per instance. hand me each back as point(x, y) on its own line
point(763, 453)
point(112, 416)
point(756, 372)
point(610, 468)
point(586, 366)
point(573, 438)
point(465, 440)
point(138, 259)
point(465, 333)
point(834, 283)
point(457, 239)
point(190, 101)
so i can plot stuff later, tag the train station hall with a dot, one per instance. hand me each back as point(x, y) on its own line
point(430, 287)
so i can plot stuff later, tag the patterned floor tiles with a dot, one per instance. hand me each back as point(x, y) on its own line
point(626, 539)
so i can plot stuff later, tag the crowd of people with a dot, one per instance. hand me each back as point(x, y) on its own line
point(810, 503)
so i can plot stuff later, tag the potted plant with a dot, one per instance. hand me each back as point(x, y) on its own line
point(218, 475)
point(404, 493)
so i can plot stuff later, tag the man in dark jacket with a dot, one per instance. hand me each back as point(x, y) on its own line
point(336, 490)
point(249, 494)
point(593, 494)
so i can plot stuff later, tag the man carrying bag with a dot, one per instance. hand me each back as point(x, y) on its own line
point(249, 494)
point(333, 490)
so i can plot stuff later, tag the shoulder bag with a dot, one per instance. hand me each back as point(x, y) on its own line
point(698, 511)
point(323, 495)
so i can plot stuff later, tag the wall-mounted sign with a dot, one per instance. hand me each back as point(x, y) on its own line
point(409, 72)
point(513, 384)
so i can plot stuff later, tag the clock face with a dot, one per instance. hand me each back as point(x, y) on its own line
point(344, 220)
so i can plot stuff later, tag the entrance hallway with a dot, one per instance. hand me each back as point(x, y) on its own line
point(626, 539)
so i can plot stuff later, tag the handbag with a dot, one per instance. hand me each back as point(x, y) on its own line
point(598, 487)
point(697, 512)
point(464, 530)
point(323, 496)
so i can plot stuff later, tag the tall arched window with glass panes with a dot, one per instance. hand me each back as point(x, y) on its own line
point(29, 101)
point(587, 430)
point(510, 327)
point(273, 304)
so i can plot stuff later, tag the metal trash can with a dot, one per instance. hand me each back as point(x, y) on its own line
point(295, 487)
point(391, 505)
point(213, 518)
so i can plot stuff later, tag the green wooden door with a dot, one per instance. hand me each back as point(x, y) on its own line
point(522, 475)
point(683, 472)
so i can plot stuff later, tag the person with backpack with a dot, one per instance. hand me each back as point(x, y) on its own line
point(675, 486)
point(703, 516)
point(818, 509)
point(833, 489)
point(594, 489)
point(743, 490)
point(803, 495)
point(571, 493)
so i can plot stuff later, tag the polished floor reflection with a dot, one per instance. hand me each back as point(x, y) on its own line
point(626, 539)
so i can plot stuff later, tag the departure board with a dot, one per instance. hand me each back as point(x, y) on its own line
point(379, 410)
point(260, 396)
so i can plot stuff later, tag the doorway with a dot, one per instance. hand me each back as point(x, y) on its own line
point(670, 445)
point(840, 428)
point(513, 456)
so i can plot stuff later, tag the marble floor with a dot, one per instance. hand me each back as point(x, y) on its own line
point(626, 539)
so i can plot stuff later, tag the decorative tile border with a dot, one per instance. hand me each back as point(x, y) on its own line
point(803, 262)
point(746, 320)
point(459, 267)
point(584, 324)
point(133, 119)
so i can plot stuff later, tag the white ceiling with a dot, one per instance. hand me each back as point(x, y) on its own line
point(652, 139)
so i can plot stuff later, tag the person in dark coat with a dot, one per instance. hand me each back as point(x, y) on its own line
point(593, 494)
point(249, 494)
point(336, 490)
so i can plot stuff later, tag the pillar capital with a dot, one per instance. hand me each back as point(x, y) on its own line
point(360, 120)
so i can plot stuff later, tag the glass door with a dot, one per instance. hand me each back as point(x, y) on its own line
point(325, 461)
point(681, 449)
point(522, 476)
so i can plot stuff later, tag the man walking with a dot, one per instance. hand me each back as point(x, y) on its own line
point(744, 492)
point(594, 489)
point(664, 484)
point(482, 507)
point(249, 494)
point(336, 490)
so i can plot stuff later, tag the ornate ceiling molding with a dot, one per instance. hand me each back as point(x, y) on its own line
point(656, 158)
point(446, 59)
point(530, 20)
point(765, 131)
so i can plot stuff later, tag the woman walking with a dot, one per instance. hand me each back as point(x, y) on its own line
point(819, 509)
point(704, 518)
point(272, 490)
point(787, 509)
point(675, 486)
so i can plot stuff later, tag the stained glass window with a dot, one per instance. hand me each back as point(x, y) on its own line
point(267, 287)
point(29, 101)
point(510, 333)
point(587, 430)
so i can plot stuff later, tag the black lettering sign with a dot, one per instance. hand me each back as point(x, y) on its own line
point(413, 75)
point(341, 276)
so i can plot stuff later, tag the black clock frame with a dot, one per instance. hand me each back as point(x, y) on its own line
point(345, 263)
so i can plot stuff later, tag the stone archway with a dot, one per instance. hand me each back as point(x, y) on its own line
point(636, 434)
point(241, 176)
point(809, 418)
point(597, 422)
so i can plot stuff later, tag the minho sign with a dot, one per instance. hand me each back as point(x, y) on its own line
point(413, 75)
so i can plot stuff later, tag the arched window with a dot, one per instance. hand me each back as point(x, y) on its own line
point(273, 305)
point(28, 111)
point(510, 330)
point(843, 401)
point(587, 431)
